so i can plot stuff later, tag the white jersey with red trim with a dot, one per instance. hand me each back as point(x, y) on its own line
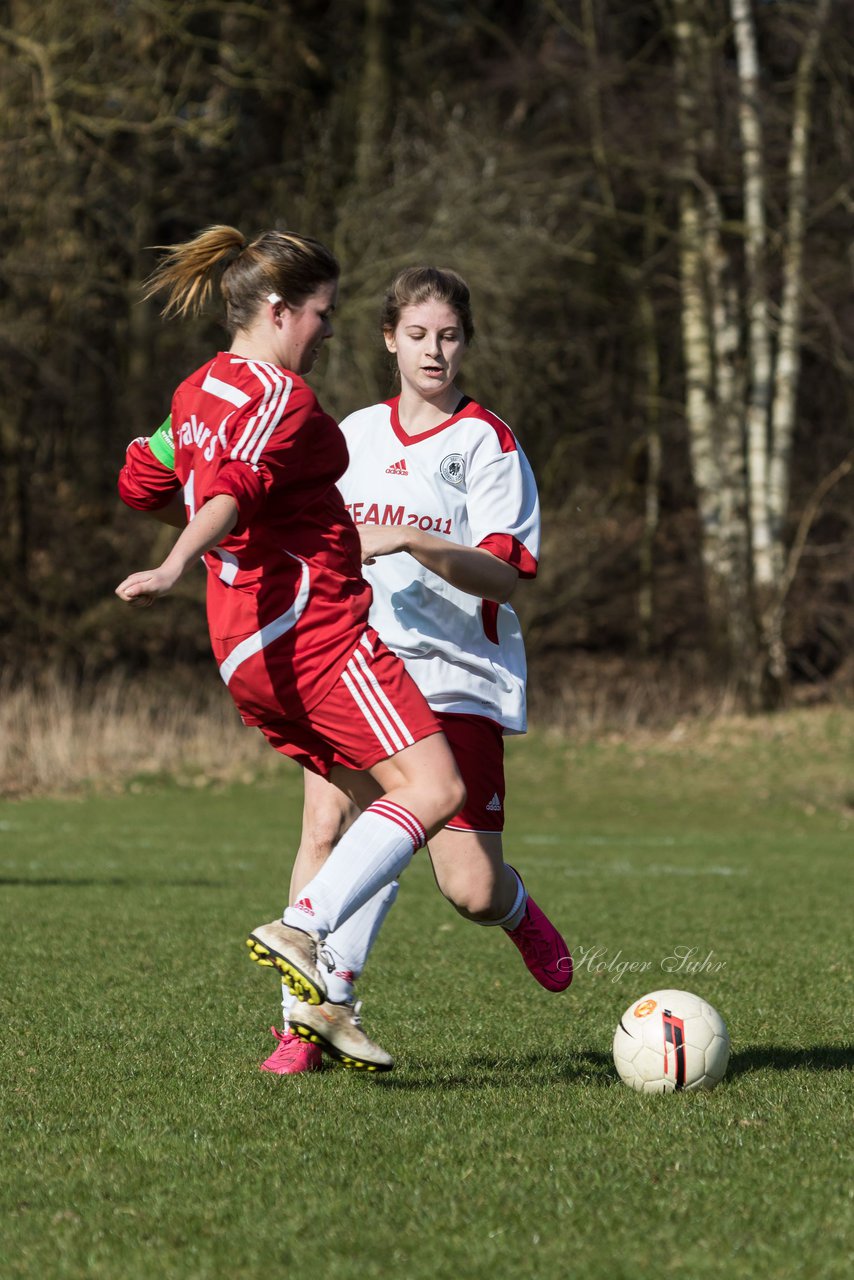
point(469, 481)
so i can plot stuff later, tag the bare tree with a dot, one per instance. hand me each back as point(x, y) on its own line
point(534, 147)
point(741, 391)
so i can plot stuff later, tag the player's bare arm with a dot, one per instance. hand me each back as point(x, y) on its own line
point(207, 528)
point(470, 569)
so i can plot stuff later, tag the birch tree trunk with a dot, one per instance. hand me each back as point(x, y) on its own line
point(770, 411)
point(740, 401)
point(710, 347)
point(771, 591)
point(756, 288)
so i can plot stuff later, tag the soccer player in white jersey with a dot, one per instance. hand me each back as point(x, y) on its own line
point(446, 506)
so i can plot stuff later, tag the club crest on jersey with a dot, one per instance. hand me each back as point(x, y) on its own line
point(453, 468)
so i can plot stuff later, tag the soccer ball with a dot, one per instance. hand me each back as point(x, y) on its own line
point(669, 1041)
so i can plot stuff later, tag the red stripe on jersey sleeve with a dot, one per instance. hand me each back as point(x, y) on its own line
point(505, 437)
point(511, 551)
point(144, 483)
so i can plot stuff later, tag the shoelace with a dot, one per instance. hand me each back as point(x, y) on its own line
point(290, 1042)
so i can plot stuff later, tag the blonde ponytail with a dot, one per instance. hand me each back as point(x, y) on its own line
point(278, 262)
point(188, 271)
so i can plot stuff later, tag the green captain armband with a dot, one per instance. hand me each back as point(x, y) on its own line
point(162, 444)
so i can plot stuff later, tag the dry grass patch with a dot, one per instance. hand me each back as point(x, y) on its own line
point(58, 735)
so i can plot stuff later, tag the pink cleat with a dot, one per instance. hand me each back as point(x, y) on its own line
point(543, 949)
point(292, 1055)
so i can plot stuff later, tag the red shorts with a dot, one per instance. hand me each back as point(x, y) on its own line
point(478, 748)
point(373, 710)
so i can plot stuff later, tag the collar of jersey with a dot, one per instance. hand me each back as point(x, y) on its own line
point(404, 436)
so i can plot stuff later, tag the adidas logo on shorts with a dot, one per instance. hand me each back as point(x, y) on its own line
point(494, 805)
point(397, 468)
point(304, 904)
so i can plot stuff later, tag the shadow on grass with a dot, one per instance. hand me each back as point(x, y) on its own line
point(112, 882)
point(480, 1071)
point(819, 1057)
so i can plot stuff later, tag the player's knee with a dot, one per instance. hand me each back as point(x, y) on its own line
point(453, 797)
point(475, 907)
point(467, 895)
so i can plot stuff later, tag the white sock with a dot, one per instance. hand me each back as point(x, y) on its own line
point(514, 916)
point(288, 1002)
point(372, 853)
point(345, 951)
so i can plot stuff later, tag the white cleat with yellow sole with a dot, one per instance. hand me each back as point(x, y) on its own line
point(293, 953)
point(337, 1029)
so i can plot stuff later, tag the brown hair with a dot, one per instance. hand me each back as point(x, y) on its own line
point(422, 284)
point(276, 262)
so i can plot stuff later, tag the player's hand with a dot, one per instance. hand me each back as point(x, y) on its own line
point(381, 540)
point(142, 589)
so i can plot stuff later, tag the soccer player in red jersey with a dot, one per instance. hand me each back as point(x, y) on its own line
point(447, 510)
point(256, 461)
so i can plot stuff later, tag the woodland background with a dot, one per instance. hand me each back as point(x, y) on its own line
point(652, 202)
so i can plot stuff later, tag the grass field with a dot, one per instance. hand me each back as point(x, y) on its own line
point(141, 1141)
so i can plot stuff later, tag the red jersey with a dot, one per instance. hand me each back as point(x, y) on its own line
point(286, 600)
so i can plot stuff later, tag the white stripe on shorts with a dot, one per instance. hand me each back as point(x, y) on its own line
point(373, 685)
point(376, 706)
point(365, 710)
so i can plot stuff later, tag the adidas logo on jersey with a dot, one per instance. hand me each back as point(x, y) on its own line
point(304, 904)
point(397, 468)
point(494, 805)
